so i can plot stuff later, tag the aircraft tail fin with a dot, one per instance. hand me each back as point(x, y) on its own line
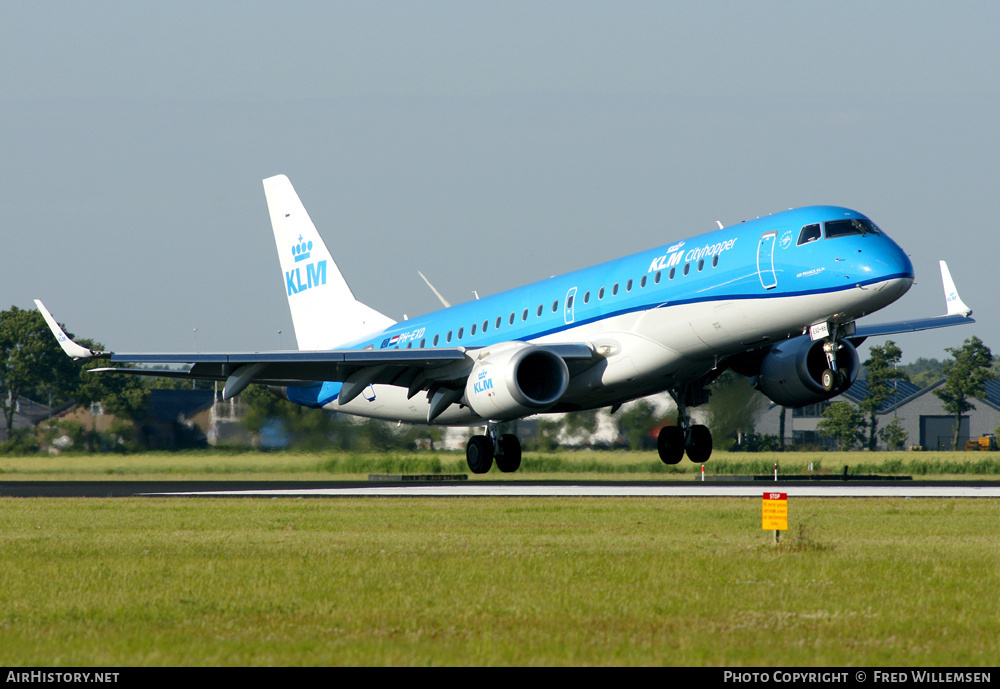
point(325, 312)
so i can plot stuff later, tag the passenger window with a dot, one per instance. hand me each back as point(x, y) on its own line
point(555, 306)
point(715, 261)
point(524, 315)
point(436, 340)
point(569, 302)
point(539, 312)
point(586, 297)
point(687, 267)
point(600, 294)
point(498, 321)
point(642, 282)
point(472, 330)
point(614, 290)
point(656, 278)
point(809, 233)
point(628, 285)
point(461, 331)
point(511, 319)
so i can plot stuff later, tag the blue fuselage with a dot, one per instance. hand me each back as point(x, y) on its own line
point(713, 295)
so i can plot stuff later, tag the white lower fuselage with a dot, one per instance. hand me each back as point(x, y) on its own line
point(648, 352)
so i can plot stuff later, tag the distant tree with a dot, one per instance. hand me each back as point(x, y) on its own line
point(844, 423)
point(547, 437)
point(31, 362)
point(781, 429)
point(734, 407)
point(122, 395)
point(306, 429)
point(170, 383)
point(924, 372)
point(635, 423)
point(966, 374)
point(893, 435)
point(580, 424)
point(881, 371)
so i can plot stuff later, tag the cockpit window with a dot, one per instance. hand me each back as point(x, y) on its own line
point(841, 228)
point(809, 233)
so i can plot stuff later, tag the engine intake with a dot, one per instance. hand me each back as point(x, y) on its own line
point(516, 382)
point(791, 373)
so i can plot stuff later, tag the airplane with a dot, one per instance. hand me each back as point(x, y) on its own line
point(775, 299)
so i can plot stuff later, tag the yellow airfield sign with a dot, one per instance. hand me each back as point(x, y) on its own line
point(774, 513)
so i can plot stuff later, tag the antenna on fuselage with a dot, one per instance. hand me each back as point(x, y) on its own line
point(719, 223)
point(434, 290)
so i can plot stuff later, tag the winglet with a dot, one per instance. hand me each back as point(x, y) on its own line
point(951, 298)
point(71, 348)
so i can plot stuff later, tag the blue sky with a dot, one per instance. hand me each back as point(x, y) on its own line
point(485, 144)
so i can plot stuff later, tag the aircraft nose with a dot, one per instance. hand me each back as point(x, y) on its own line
point(897, 263)
point(884, 260)
point(889, 265)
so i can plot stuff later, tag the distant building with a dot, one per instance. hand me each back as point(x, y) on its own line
point(27, 414)
point(920, 412)
point(176, 418)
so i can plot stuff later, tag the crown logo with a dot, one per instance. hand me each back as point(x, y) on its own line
point(301, 250)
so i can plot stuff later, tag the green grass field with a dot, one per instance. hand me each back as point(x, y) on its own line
point(566, 464)
point(497, 581)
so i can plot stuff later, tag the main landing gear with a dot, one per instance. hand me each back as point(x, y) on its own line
point(694, 439)
point(481, 450)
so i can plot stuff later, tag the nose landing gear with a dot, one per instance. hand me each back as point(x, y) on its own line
point(833, 378)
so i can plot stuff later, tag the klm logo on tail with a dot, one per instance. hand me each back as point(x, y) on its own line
point(315, 273)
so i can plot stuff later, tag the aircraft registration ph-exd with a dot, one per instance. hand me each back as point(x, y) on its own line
point(774, 299)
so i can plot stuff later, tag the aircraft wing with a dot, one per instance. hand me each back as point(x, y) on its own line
point(414, 369)
point(958, 314)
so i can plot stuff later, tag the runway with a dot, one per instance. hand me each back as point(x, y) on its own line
point(344, 489)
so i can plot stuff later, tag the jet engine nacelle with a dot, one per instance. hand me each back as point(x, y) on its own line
point(516, 382)
point(791, 373)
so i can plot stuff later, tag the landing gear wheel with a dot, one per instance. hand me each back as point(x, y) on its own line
point(841, 380)
point(670, 444)
point(479, 454)
point(509, 457)
point(699, 444)
point(828, 380)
